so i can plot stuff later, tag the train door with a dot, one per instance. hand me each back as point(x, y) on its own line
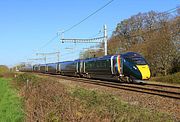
point(112, 65)
point(47, 68)
point(77, 67)
point(39, 68)
point(59, 67)
point(81, 68)
point(55, 68)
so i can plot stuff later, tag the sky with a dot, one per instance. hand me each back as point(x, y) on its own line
point(26, 26)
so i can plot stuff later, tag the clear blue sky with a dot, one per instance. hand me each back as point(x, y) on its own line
point(26, 25)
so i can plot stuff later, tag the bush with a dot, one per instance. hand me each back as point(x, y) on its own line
point(174, 78)
point(3, 69)
point(26, 77)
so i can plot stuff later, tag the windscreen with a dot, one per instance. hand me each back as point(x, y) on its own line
point(139, 60)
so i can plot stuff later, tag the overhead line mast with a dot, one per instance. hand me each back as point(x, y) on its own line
point(37, 59)
point(91, 40)
point(53, 53)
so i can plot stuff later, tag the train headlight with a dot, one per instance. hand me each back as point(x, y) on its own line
point(134, 67)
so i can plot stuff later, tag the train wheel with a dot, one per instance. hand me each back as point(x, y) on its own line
point(88, 76)
point(130, 80)
point(120, 79)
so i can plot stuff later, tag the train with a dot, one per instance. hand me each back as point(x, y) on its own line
point(129, 67)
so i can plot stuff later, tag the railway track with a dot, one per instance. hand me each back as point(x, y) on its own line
point(167, 91)
point(163, 85)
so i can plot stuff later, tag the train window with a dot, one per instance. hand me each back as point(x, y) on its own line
point(103, 64)
point(90, 65)
point(97, 64)
point(108, 63)
point(139, 60)
point(94, 64)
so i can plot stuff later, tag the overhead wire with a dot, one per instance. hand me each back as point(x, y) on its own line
point(73, 26)
point(47, 43)
point(97, 34)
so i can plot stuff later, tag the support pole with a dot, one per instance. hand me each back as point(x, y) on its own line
point(58, 56)
point(105, 40)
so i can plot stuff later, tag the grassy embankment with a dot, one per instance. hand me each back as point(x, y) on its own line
point(174, 78)
point(49, 100)
point(10, 103)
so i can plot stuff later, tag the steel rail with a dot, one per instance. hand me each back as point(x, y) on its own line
point(130, 87)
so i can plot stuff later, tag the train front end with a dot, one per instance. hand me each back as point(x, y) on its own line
point(145, 71)
point(131, 67)
point(135, 67)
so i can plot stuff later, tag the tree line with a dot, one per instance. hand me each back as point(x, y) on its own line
point(154, 35)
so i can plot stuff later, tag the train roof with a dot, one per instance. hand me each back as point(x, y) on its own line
point(131, 54)
point(128, 55)
point(98, 58)
point(52, 63)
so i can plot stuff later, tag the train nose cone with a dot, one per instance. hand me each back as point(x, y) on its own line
point(145, 71)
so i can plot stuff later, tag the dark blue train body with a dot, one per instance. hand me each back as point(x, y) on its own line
point(130, 66)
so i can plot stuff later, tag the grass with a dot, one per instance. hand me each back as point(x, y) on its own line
point(10, 103)
point(174, 78)
point(26, 77)
point(49, 100)
point(111, 108)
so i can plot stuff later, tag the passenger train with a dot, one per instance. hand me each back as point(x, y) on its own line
point(130, 67)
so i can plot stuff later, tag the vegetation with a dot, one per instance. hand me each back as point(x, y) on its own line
point(5, 72)
point(111, 108)
point(174, 78)
point(154, 35)
point(26, 77)
point(10, 103)
point(53, 101)
point(3, 69)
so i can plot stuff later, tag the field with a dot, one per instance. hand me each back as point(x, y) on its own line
point(10, 103)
